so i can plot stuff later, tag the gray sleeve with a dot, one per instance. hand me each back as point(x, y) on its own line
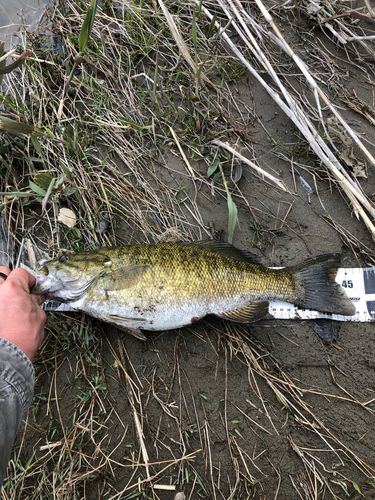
point(16, 392)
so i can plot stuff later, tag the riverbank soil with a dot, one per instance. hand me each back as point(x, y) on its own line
point(216, 410)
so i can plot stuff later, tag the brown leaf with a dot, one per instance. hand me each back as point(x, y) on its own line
point(67, 217)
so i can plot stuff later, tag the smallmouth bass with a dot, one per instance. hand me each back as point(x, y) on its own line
point(171, 285)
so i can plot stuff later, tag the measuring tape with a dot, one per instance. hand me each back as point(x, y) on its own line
point(358, 283)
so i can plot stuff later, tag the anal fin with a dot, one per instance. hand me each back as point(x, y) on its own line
point(247, 314)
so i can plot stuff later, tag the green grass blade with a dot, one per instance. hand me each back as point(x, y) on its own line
point(200, 9)
point(43, 180)
point(232, 209)
point(36, 144)
point(199, 69)
point(2, 63)
point(132, 124)
point(17, 194)
point(14, 65)
point(87, 26)
point(156, 78)
point(194, 28)
point(48, 194)
point(14, 127)
point(37, 189)
point(233, 217)
point(213, 167)
point(356, 487)
point(216, 177)
point(67, 172)
point(212, 24)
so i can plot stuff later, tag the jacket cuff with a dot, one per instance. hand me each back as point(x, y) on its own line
point(17, 370)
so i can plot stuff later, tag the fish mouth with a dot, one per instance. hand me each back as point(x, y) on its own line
point(54, 288)
point(58, 292)
point(44, 285)
point(68, 291)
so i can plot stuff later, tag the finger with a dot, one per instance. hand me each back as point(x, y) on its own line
point(38, 299)
point(23, 277)
point(42, 316)
point(4, 271)
point(41, 299)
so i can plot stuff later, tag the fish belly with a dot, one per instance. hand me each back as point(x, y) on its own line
point(154, 316)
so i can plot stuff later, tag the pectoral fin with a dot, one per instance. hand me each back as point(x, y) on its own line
point(247, 314)
point(125, 277)
point(123, 324)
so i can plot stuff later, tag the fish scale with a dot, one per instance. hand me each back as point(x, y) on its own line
point(208, 275)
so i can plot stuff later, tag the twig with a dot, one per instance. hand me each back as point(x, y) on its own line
point(260, 171)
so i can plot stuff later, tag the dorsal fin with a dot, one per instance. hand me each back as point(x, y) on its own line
point(229, 251)
point(247, 314)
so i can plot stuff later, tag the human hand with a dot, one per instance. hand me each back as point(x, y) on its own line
point(21, 319)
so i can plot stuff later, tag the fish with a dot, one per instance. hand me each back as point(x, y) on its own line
point(171, 285)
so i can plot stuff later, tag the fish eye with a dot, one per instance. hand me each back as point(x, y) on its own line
point(63, 259)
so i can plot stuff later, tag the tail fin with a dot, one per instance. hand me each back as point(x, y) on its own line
point(317, 276)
